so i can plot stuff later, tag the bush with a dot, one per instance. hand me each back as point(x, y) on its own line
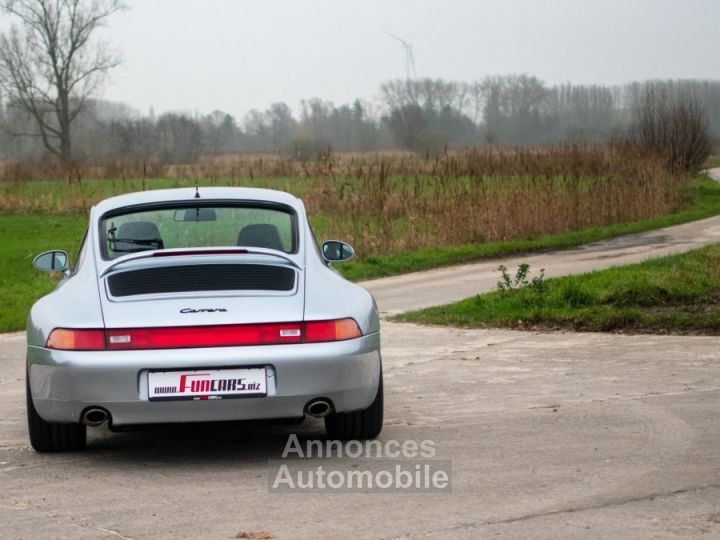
point(674, 127)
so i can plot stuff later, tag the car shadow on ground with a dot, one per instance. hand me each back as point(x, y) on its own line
point(191, 444)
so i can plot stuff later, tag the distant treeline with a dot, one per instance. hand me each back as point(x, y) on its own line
point(423, 115)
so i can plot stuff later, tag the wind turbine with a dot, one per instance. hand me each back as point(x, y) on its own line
point(409, 57)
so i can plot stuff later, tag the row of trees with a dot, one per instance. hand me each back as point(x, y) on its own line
point(420, 115)
point(521, 109)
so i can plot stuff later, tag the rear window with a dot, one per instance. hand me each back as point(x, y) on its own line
point(190, 226)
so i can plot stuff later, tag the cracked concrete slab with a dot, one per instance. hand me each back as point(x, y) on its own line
point(549, 435)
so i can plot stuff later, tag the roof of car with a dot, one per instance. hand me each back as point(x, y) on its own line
point(206, 194)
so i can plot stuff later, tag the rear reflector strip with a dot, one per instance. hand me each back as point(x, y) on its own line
point(291, 332)
point(204, 336)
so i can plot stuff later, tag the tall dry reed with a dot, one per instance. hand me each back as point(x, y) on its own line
point(488, 197)
point(390, 203)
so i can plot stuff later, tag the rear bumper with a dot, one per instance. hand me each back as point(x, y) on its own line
point(64, 383)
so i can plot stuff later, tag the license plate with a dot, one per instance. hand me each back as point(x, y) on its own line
point(207, 384)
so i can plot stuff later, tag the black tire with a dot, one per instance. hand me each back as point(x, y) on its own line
point(364, 424)
point(51, 437)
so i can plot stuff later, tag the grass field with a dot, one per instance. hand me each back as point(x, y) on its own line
point(704, 202)
point(401, 213)
point(26, 235)
point(676, 294)
point(386, 206)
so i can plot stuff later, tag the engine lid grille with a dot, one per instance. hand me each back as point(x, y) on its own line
point(200, 278)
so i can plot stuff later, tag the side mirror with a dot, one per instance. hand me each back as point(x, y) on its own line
point(52, 261)
point(337, 251)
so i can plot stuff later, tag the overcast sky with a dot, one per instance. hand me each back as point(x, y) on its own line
point(234, 55)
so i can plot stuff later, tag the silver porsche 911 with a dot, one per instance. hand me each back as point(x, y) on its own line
point(196, 305)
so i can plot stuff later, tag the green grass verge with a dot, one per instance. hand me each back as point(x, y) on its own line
point(26, 235)
point(705, 203)
point(676, 294)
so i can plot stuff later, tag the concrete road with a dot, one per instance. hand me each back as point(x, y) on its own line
point(548, 434)
point(714, 173)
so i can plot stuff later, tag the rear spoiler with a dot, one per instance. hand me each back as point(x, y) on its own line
point(185, 252)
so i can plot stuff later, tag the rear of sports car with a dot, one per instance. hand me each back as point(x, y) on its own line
point(201, 335)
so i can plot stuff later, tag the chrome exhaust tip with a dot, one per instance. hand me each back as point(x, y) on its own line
point(94, 416)
point(318, 408)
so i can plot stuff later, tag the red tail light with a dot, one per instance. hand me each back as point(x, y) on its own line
point(316, 331)
point(76, 340)
point(204, 336)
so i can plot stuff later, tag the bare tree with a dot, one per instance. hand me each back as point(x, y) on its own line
point(282, 125)
point(523, 93)
point(52, 63)
point(476, 97)
point(257, 124)
point(674, 126)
